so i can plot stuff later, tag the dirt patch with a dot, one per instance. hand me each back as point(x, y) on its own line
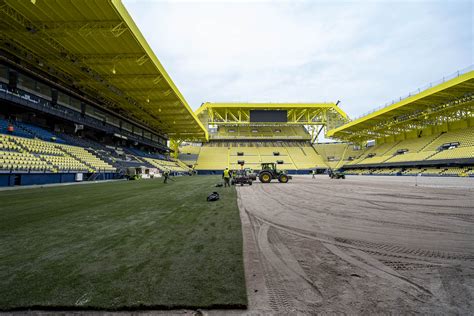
point(361, 245)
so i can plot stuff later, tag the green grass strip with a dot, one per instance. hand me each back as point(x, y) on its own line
point(121, 245)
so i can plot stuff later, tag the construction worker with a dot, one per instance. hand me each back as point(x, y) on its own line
point(226, 176)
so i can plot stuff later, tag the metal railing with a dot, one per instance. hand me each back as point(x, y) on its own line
point(419, 90)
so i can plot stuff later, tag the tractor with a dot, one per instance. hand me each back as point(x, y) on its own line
point(269, 172)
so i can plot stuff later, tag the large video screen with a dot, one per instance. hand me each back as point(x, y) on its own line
point(268, 116)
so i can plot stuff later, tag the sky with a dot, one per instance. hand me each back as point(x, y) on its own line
point(363, 53)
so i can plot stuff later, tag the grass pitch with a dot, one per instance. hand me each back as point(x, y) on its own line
point(121, 245)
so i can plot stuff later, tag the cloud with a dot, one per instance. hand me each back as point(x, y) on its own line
point(363, 53)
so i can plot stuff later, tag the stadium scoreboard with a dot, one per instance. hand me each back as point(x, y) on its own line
point(280, 116)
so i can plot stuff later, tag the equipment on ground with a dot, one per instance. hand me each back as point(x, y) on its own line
point(214, 196)
point(252, 175)
point(336, 174)
point(269, 172)
point(241, 177)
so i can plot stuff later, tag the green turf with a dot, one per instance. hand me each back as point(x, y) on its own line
point(115, 245)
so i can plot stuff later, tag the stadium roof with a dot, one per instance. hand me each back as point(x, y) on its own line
point(327, 114)
point(447, 101)
point(98, 47)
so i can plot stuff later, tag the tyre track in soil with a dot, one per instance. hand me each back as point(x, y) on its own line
point(439, 224)
point(275, 210)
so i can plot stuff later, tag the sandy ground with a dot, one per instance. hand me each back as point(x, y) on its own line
point(362, 245)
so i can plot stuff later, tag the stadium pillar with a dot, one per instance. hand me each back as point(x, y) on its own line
point(174, 145)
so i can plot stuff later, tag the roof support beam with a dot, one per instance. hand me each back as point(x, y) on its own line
point(104, 59)
point(83, 28)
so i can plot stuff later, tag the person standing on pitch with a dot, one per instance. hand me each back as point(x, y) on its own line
point(314, 174)
point(226, 177)
point(166, 175)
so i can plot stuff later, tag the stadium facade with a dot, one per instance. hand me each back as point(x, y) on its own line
point(83, 96)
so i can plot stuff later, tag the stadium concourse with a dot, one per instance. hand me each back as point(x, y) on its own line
point(84, 99)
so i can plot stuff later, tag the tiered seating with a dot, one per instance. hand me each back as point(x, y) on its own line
point(39, 132)
point(331, 151)
point(16, 132)
point(386, 171)
point(358, 171)
point(166, 165)
point(114, 156)
point(289, 155)
point(334, 154)
point(276, 155)
point(189, 154)
point(465, 137)
point(413, 147)
point(376, 154)
point(141, 153)
point(470, 172)
point(455, 171)
point(213, 158)
point(251, 156)
point(37, 155)
point(12, 158)
point(87, 158)
point(432, 171)
point(426, 148)
point(262, 132)
point(7, 144)
point(52, 154)
point(461, 152)
point(305, 157)
point(417, 156)
point(181, 165)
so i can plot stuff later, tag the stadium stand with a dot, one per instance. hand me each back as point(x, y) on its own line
point(336, 154)
point(167, 165)
point(65, 115)
point(71, 107)
point(189, 154)
point(39, 132)
point(290, 156)
point(55, 157)
point(279, 135)
point(453, 144)
point(430, 132)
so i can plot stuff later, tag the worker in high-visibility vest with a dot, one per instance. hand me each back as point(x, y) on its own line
point(166, 175)
point(226, 176)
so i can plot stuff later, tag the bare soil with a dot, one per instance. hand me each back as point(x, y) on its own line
point(362, 245)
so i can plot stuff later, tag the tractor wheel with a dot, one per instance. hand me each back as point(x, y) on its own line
point(283, 178)
point(265, 177)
